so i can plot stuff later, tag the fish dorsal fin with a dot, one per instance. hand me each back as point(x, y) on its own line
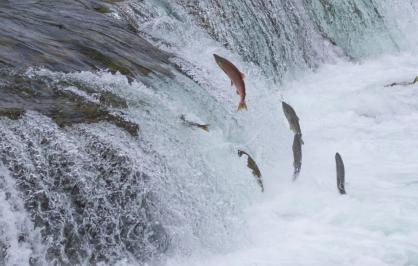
point(242, 75)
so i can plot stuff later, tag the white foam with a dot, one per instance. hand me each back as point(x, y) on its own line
point(343, 108)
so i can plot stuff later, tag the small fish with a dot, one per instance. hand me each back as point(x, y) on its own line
point(340, 173)
point(205, 127)
point(237, 78)
point(403, 83)
point(253, 166)
point(293, 119)
point(297, 155)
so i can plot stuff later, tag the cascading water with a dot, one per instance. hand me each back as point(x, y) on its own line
point(98, 168)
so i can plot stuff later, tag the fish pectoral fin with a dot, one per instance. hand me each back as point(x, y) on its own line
point(237, 91)
point(232, 83)
point(242, 75)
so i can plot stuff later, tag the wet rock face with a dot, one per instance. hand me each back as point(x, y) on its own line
point(89, 199)
point(19, 93)
point(67, 35)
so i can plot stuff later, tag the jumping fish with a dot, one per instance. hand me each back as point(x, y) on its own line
point(237, 78)
point(297, 155)
point(340, 173)
point(253, 166)
point(404, 83)
point(293, 119)
point(205, 127)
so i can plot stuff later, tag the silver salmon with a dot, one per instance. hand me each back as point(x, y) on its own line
point(340, 173)
point(205, 127)
point(293, 119)
point(253, 166)
point(403, 83)
point(297, 155)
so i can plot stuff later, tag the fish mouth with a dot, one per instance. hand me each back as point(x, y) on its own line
point(217, 57)
point(218, 60)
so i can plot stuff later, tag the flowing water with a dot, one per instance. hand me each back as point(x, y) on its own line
point(97, 168)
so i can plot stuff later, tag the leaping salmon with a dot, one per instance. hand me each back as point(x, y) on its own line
point(253, 166)
point(297, 155)
point(340, 173)
point(293, 119)
point(403, 83)
point(237, 78)
point(205, 127)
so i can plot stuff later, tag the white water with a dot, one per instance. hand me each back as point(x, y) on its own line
point(346, 108)
point(219, 216)
point(15, 223)
point(212, 207)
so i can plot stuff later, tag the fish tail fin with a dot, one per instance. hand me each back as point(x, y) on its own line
point(241, 106)
point(295, 176)
point(296, 173)
point(204, 127)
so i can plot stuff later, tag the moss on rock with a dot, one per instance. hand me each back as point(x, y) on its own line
point(112, 100)
point(107, 62)
point(64, 107)
point(12, 113)
point(102, 9)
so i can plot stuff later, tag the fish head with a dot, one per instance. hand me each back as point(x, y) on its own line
point(285, 105)
point(286, 108)
point(218, 60)
point(337, 156)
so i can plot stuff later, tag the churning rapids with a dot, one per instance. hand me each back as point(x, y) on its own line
point(98, 168)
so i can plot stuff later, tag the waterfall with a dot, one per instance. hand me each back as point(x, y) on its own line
point(96, 164)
